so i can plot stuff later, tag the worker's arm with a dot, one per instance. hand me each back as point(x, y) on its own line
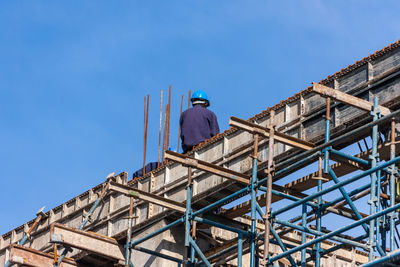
point(214, 125)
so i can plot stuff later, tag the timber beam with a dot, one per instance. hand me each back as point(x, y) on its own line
point(264, 131)
point(347, 99)
point(30, 257)
point(208, 167)
point(104, 246)
point(149, 197)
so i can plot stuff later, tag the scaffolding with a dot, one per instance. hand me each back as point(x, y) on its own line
point(378, 237)
point(377, 225)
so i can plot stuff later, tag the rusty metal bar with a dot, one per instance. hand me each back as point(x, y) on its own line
point(179, 131)
point(190, 95)
point(169, 117)
point(165, 133)
point(159, 133)
point(146, 123)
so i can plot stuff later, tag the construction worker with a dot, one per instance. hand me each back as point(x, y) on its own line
point(197, 123)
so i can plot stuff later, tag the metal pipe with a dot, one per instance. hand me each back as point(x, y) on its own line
point(129, 233)
point(159, 231)
point(223, 201)
point(319, 233)
point(179, 131)
point(222, 226)
point(336, 232)
point(260, 211)
point(253, 185)
point(159, 133)
point(340, 138)
point(348, 200)
point(158, 254)
point(165, 133)
point(282, 245)
point(188, 212)
point(319, 202)
point(373, 198)
point(190, 94)
point(303, 234)
point(392, 183)
point(240, 250)
point(169, 116)
point(146, 123)
point(351, 193)
point(198, 250)
point(391, 259)
point(349, 157)
point(336, 186)
point(268, 199)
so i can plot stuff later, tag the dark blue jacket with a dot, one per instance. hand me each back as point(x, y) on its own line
point(148, 168)
point(197, 125)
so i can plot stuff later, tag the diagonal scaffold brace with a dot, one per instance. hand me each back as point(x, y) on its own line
point(87, 218)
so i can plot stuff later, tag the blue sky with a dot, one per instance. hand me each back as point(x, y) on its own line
point(73, 75)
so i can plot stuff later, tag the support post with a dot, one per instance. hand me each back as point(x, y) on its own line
point(253, 185)
point(128, 261)
point(188, 213)
point(373, 199)
point(303, 235)
point(269, 190)
point(392, 184)
point(240, 250)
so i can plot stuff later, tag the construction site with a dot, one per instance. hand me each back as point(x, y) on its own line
point(311, 181)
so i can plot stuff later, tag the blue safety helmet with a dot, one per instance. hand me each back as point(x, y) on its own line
point(200, 96)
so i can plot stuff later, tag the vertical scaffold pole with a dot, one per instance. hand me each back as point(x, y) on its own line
point(240, 250)
point(128, 261)
point(326, 166)
point(303, 235)
point(373, 199)
point(188, 214)
point(392, 183)
point(269, 188)
point(253, 204)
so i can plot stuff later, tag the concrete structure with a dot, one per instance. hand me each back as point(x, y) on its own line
point(299, 116)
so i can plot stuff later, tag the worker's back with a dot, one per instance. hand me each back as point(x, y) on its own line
point(197, 124)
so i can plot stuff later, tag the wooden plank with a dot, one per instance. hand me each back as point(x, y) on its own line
point(34, 258)
point(97, 244)
point(208, 167)
point(149, 197)
point(263, 131)
point(347, 99)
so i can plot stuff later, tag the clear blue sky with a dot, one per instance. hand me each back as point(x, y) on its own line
point(73, 75)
